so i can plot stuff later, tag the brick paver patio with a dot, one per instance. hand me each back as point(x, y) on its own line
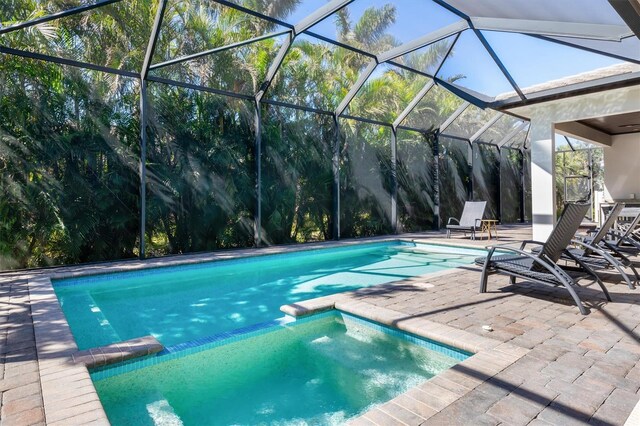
point(575, 369)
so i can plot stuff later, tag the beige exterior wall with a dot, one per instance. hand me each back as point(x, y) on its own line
point(621, 174)
point(622, 167)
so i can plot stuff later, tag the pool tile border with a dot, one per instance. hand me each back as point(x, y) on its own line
point(67, 390)
point(105, 372)
point(118, 352)
point(109, 268)
point(420, 403)
point(185, 349)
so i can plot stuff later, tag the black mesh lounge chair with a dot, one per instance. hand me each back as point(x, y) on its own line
point(597, 253)
point(626, 238)
point(541, 267)
point(470, 221)
point(594, 253)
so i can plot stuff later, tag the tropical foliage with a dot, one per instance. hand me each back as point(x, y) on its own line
point(70, 144)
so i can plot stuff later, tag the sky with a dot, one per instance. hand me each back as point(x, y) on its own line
point(529, 60)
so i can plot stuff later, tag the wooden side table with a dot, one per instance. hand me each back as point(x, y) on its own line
point(486, 225)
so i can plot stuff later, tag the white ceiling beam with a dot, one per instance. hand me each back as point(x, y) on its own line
point(414, 102)
point(553, 28)
point(423, 41)
point(319, 14)
point(577, 130)
point(457, 113)
point(512, 133)
point(484, 128)
point(355, 88)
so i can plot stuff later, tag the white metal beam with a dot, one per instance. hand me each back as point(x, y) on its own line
point(275, 66)
point(153, 39)
point(413, 104)
point(453, 116)
point(512, 133)
point(356, 87)
point(580, 131)
point(423, 41)
point(54, 16)
point(553, 28)
point(484, 128)
point(218, 49)
point(321, 13)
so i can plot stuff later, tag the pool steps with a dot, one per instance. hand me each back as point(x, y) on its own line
point(118, 352)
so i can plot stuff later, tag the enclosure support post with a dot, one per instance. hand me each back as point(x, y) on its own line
point(591, 192)
point(257, 217)
point(470, 164)
point(394, 181)
point(143, 166)
point(436, 182)
point(499, 185)
point(523, 187)
point(335, 165)
point(144, 72)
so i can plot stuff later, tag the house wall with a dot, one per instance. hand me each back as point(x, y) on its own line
point(622, 167)
point(545, 117)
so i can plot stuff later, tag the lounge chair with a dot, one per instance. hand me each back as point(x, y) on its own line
point(597, 253)
point(470, 221)
point(626, 238)
point(541, 267)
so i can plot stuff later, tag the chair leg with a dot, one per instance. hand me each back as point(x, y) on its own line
point(626, 262)
point(625, 276)
point(575, 297)
point(484, 277)
point(591, 272)
point(619, 266)
point(512, 280)
point(604, 289)
point(635, 272)
point(569, 286)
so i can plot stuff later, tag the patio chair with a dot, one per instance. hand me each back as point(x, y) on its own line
point(626, 238)
point(470, 221)
point(541, 267)
point(595, 253)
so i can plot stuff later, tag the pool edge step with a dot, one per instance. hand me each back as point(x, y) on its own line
point(118, 352)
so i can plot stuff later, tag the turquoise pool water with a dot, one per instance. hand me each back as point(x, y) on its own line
point(184, 303)
point(318, 371)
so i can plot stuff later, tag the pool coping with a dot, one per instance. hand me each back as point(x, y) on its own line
point(105, 268)
point(68, 393)
point(420, 403)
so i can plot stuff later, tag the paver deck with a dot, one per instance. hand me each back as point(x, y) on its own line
point(564, 368)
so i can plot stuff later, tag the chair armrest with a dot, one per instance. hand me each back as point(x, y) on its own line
point(453, 218)
point(552, 268)
point(595, 249)
point(499, 246)
point(615, 250)
point(615, 233)
point(525, 242)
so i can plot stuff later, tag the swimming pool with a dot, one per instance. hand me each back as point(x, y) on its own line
point(324, 369)
point(181, 304)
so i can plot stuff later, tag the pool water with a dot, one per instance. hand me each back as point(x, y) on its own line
point(317, 371)
point(184, 303)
